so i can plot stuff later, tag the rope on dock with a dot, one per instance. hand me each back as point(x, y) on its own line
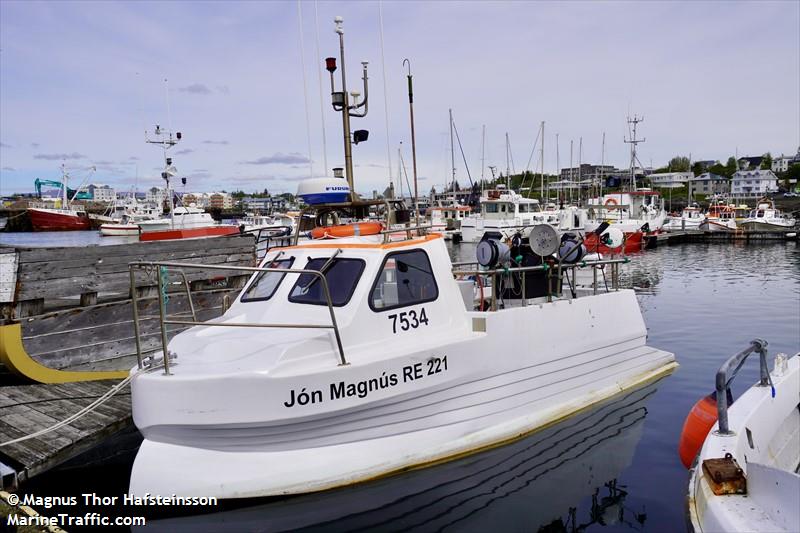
point(86, 410)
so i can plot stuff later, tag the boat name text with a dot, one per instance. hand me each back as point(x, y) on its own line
point(361, 389)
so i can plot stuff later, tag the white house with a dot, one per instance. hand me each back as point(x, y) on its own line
point(782, 163)
point(753, 183)
point(256, 204)
point(670, 180)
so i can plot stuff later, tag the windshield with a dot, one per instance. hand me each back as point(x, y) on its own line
point(342, 276)
point(266, 283)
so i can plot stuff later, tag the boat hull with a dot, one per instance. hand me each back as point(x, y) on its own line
point(119, 230)
point(53, 220)
point(189, 233)
point(633, 243)
point(477, 403)
point(716, 226)
point(749, 225)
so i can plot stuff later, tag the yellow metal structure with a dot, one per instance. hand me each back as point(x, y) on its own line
point(17, 360)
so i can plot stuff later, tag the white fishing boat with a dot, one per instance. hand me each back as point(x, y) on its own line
point(628, 211)
point(745, 477)
point(447, 219)
point(347, 358)
point(502, 210)
point(720, 218)
point(766, 217)
point(691, 218)
point(278, 224)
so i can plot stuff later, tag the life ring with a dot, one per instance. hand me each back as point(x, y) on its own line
point(347, 230)
point(611, 201)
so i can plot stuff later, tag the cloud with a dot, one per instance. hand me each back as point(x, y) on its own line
point(58, 157)
point(279, 159)
point(10, 169)
point(216, 142)
point(223, 89)
point(184, 151)
point(195, 88)
point(133, 158)
point(34, 145)
point(4, 145)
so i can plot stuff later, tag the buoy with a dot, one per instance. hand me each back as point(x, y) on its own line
point(698, 423)
point(611, 201)
point(347, 230)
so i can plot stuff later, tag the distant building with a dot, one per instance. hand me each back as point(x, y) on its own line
point(749, 163)
point(156, 196)
point(670, 180)
point(102, 193)
point(220, 200)
point(782, 163)
point(747, 183)
point(199, 199)
point(708, 184)
point(587, 171)
point(256, 204)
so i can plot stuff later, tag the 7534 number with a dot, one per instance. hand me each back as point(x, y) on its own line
point(408, 320)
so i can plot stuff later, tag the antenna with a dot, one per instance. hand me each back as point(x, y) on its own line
point(632, 124)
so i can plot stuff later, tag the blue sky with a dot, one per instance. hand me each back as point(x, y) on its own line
point(83, 80)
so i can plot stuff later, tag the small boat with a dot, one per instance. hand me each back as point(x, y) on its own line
point(357, 354)
point(745, 478)
point(766, 217)
point(447, 219)
point(691, 218)
point(503, 211)
point(720, 218)
point(268, 225)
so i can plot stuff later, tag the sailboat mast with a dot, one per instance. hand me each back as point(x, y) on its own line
point(452, 157)
point(571, 171)
point(602, 164)
point(64, 186)
point(541, 159)
point(483, 153)
point(508, 165)
point(580, 161)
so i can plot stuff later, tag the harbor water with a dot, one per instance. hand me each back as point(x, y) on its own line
point(614, 467)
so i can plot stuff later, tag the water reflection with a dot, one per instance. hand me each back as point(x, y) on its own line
point(563, 478)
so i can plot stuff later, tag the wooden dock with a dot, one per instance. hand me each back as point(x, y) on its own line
point(25, 409)
point(691, 236)
point(66, 319)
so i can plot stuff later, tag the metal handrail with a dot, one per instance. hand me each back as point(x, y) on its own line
point(545, 268)
point(163, 315)
point(728, 371)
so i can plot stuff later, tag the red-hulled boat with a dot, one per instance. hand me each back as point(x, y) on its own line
point(633, 243)
point(58, 219)
point(219, 230)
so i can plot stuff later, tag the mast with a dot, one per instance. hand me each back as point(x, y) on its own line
point(483, 152)
point(580, 162)
point(64, 186)
point(558, 168)
point(602, 165)
point(633, 142)
point(571, 171)
point(452, 157)
point(541, 174)
point(508, 165)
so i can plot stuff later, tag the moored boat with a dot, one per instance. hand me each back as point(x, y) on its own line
point(766, 217)
point(720, 218)
point(44, 219)
point(691, 218)
point(347, 358)
point(745, 478)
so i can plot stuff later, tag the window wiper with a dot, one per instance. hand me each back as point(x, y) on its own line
point(323, 270)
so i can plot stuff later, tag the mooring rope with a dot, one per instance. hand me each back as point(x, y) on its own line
point(86, 410)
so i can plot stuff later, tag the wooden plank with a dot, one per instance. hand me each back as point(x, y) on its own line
point(143, 250)
point(97, 346)
point(40, 406)
point(8, 276)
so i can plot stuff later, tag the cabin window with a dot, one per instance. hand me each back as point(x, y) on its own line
point(489, 208)
point(266, 283)
point(342, 276)
point(406, 278)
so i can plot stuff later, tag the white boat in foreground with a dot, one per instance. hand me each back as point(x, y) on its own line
point(357, 354)
point(746, 475)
